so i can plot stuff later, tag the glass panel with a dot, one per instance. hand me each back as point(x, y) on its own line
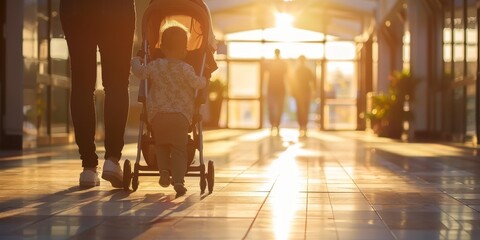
point(341, 80)
point(220, 73)
point(244, 80)
point(40, 109)
point(472, 36)
point(30, 34)
point(257, 50)
point(458, 57)
point(471, 111)
point(291, 35)
point(472, 57)
point(244, 50)
point(447, 54)
point(58, 44)
point(447, 31)
point(33, 29)
point(222, 122)
point(340, 114)
point(293, 42)
point(458, 40)
point(458, 111)
point(59, 110)
point(252, 35)
point(340, 88)
point(294, 50)
point(35, 103)
point(340, 50)
point(447, 45)
point(244, 114)
point(276, 34)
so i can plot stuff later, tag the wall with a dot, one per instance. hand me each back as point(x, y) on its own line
point(13, 123)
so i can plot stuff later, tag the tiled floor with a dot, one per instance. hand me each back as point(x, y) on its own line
point(332, 185)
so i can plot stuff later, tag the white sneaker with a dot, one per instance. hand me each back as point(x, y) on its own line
point(112, 172)
point(89, 178)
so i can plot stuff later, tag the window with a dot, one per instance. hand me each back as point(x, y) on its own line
point(447, 45)
point(459, 40)
point(472, 39)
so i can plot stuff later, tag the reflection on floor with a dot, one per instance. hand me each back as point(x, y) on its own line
point(330, 185)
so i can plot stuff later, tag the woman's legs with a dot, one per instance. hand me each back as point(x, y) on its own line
point(82, 46)
point(116, 30)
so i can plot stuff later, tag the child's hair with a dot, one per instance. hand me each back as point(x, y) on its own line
point(174, 38)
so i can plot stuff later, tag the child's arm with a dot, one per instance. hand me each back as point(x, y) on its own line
point(194, 81)
point(138, 69)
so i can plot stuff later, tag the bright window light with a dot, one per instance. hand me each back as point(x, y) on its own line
point(283, 20)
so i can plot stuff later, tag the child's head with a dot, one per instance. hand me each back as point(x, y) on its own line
point(174, 42)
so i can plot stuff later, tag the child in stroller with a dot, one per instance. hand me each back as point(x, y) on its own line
point(170, 105)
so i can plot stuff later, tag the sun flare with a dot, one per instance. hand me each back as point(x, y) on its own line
point(283, 20)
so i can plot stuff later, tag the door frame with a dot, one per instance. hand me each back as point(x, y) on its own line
point(478, 76)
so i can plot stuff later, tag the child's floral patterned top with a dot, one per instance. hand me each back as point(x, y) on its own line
point(172, 89)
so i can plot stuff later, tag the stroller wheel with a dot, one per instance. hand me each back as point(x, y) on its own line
point(135, 182)
point(127, 175)
point(210, 176)
point(203, 178)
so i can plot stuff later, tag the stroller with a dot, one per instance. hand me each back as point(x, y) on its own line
point(195, 16)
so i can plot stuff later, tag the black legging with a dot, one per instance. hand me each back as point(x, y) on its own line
point(110, 25)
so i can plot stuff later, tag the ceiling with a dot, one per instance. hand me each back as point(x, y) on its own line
point(346, 19)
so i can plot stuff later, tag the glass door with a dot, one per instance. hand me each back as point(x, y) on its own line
point(465, 56)
point(340, 96)
point(46, 81)
point(244, 95)
point(458, 89)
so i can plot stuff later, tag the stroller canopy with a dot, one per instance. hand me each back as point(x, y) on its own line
point(192, 14)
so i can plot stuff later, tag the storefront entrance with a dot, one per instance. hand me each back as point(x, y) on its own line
point(334, 100)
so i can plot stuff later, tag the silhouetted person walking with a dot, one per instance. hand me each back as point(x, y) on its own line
point(277, 70)
point(302, 88)
point(108, 25)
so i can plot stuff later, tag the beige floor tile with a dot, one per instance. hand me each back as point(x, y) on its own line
point(332, 185)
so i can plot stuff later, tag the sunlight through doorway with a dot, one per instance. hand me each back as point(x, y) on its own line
point(332, 60)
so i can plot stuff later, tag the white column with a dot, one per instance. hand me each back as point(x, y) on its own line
point(384, 63)
point(418, 20)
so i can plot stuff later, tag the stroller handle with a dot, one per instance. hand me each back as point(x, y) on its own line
point(201, 95)
point(143, 88)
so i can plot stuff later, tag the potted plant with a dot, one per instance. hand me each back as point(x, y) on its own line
point(381, 104)
point(388, 111)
